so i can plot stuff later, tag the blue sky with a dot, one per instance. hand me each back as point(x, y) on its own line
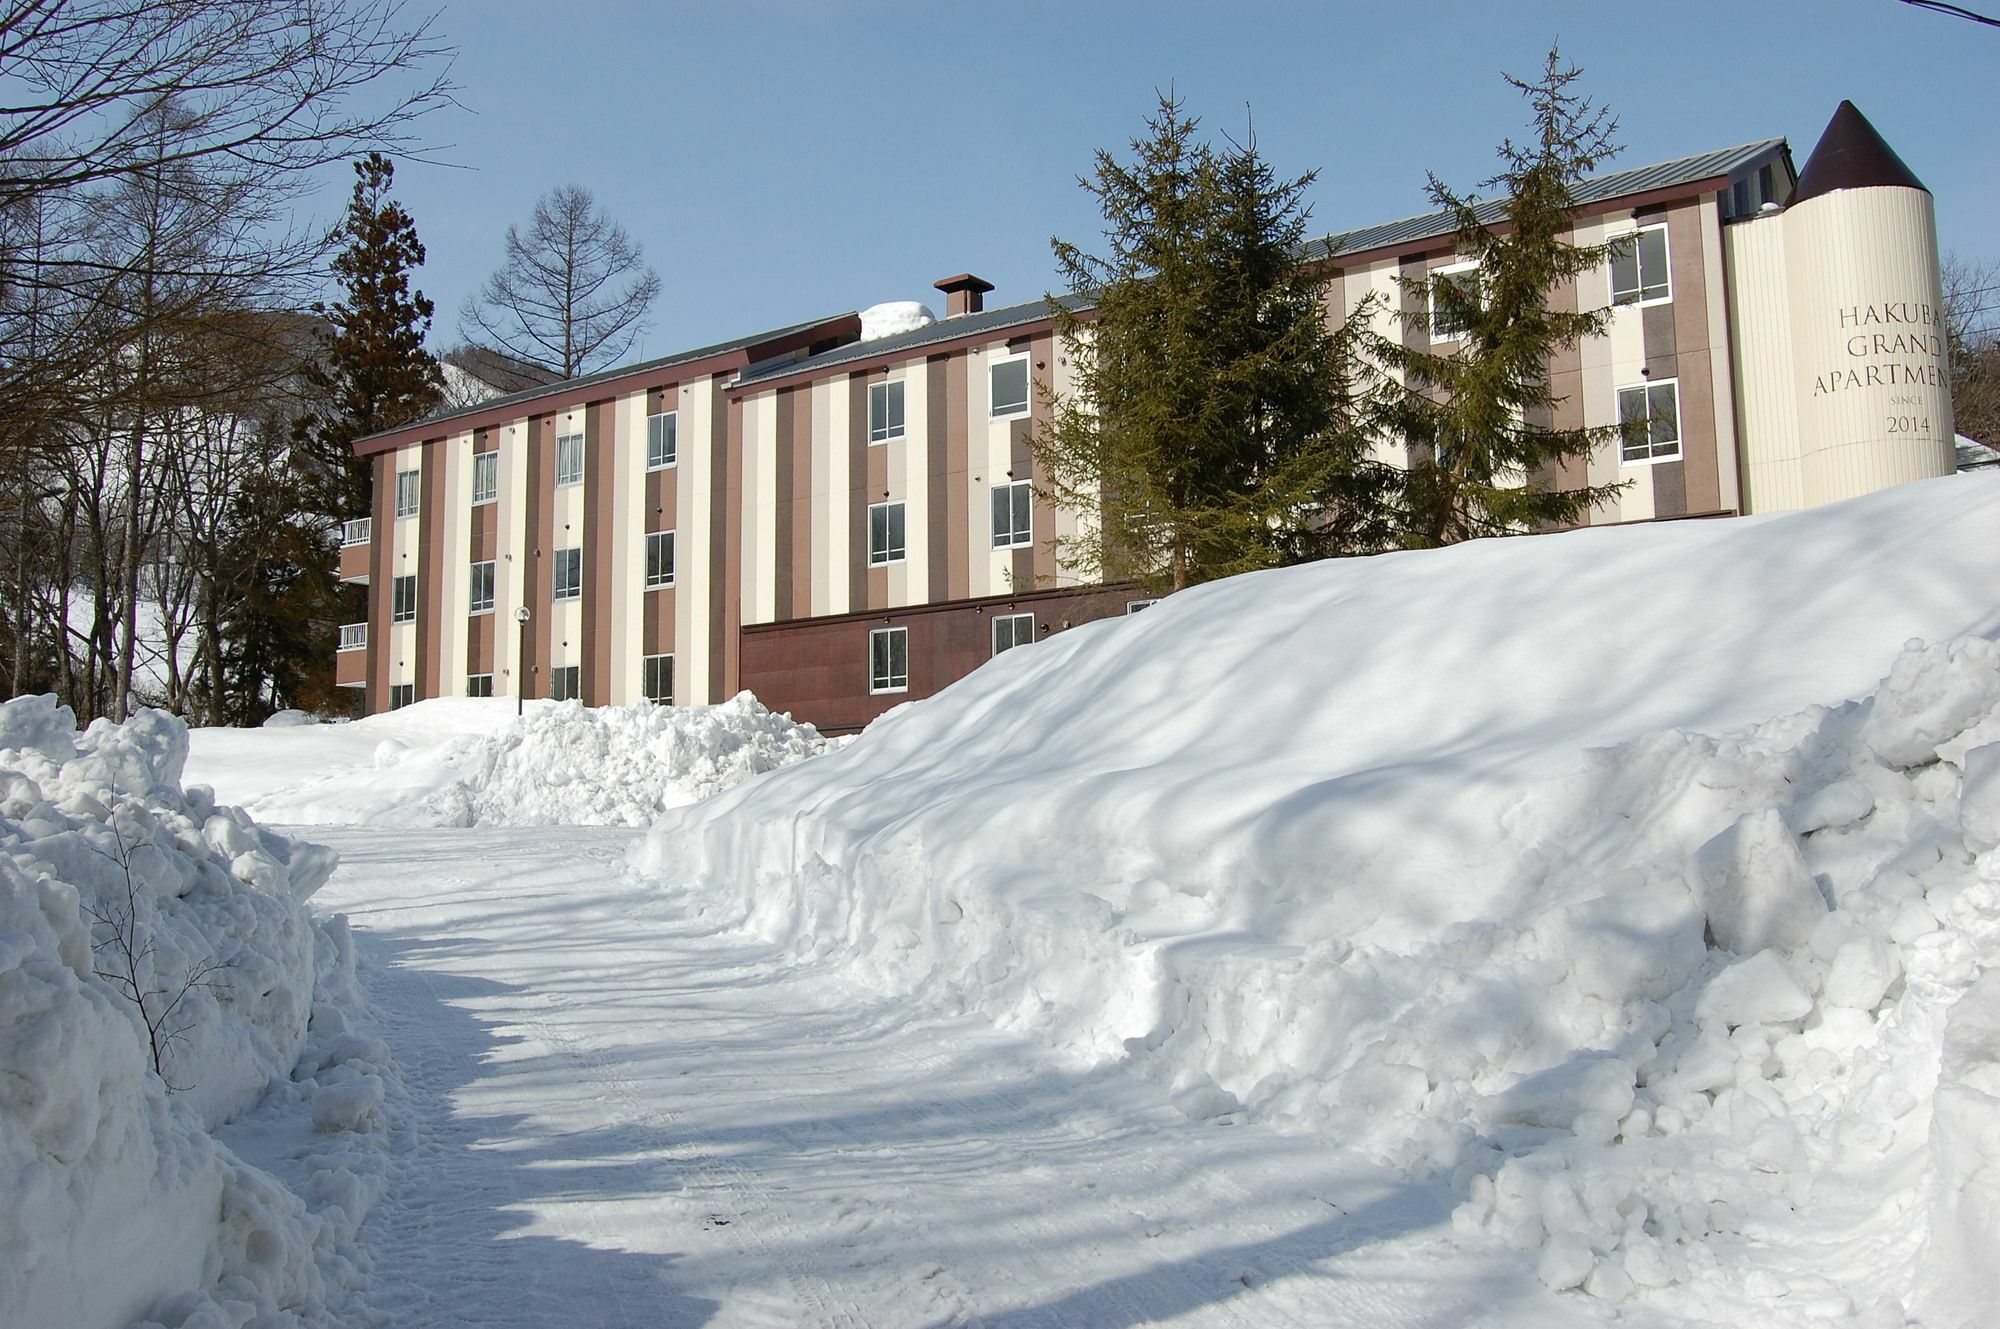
point(782, 160)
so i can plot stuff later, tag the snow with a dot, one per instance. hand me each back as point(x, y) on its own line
point(468, 762)
point(894, 316)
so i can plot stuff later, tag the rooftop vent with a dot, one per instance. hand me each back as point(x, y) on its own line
point(963, 294)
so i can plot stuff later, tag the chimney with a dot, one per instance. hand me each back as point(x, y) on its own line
point(964, 294)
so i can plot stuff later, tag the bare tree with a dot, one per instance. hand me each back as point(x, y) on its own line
point(571, 294)
point(1972, 330)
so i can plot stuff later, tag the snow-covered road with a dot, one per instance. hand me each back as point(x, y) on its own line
point(619, 1117)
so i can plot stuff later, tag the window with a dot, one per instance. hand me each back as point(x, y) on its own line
point(885, 411)
point(889, 660)
point(656, 678)
point(1135, 606)
point(659, 559)
point(1008, 380)
point(479, 685)
point(1767, 184)
point(1639, 268)
point(485, 477)
point(481, 599)
point(401, 695)
point(406, 493)
point(566, 682)
point(885, 533)
point(569, 459)
point(661, 446)
point(1011, 630)
point(1458, 285)
point(1013, 507)
point(569, 574)
point(1650, 415)
point(1739, 199)
point(403, 600)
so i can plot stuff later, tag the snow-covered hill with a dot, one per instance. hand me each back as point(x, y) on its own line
point(1590, 875)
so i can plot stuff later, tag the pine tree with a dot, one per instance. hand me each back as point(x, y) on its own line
point(1210, 423)
point(374, 372)
point(1478, 420)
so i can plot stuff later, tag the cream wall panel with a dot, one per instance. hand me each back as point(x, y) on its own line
point(692, 573)
point(509, 580)
point(838, 534)
point(820, 449)
point(1761, 359)
point(628, 558)
point(916, 485)
point(403, 651)
point(456, 564)
point(1073, 568)
point(758, 594)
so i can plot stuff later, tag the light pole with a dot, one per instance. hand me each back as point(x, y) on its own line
point(521, 665)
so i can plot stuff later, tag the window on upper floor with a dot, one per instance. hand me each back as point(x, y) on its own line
point(1013, 515)
point(485, 477)
point(1639, 274)
point(885, 533)
point(1650, 416)
point(407, 492)
point(568, 573)
point(662, 445)
point(1008, 381)
point(1011, 630)
point(403, 600)
point(480, 600)
point(885, 411)
point(656, 678)
point(889, 660)
point(569, 459)
point(659, 559)
point(1454, 292)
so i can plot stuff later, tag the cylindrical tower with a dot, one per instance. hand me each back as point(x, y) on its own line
point(1867, 318)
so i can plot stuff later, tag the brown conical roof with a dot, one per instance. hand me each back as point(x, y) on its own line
point(1851, 155)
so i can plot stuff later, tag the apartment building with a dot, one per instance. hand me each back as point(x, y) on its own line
point(841, 521)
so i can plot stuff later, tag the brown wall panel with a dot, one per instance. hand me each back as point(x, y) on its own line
point(937, 467)
point(818, 670)
point(1699, 432)
point(479, 655)
point(431, 573)
point(957, 583)
point(726, 440)
point(600, 481)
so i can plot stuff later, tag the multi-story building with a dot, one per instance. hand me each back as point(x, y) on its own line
point(841, 522)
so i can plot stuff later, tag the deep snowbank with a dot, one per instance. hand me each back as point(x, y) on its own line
point(150, 939)
point(461, 762)
point(1424, 852)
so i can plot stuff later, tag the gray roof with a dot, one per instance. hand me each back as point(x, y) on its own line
point(1660, 175)
point(946, 329)
point(605, 375)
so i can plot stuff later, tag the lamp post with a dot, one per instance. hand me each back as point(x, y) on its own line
point(521, 665)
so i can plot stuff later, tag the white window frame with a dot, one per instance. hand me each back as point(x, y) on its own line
point(572, 675)
point(490, 491)
point(649, 663)
point(1012, 622)
point(654, 461)
point(398, 614)
point(653, 538)
point(889, 553)
point(473, 685)
point(409, 492)
point(1430, 297)
point(1027, 405)
point(1013, 537)
point(886, 432)
point(1640, 300)
point(886, 680)
point(562, 589)
point(1136, 606)
point(473, 606)
point(1680, 438)
point(401, 695)
point(571, 475)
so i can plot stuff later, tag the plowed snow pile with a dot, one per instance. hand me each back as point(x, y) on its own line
point(161, 976)
point(1602, 878)
point(472, 763)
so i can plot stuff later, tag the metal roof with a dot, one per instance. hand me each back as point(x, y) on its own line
point(945, 329)
point(1638, 180)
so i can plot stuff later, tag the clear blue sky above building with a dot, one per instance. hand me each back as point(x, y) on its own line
point(782, 160)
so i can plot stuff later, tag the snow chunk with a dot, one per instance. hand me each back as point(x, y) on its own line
point(1979, 799)
point(1755, 886)
point(1759, 990)
point(1933, 694)
point(892, 317)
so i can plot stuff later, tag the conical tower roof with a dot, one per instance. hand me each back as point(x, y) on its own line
point(1851, 155)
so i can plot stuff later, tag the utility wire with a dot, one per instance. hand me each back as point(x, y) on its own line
point(1955, 11)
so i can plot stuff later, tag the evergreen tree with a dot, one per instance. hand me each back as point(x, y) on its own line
point(374, 373)
point(1211, 425)
point(1477, 419)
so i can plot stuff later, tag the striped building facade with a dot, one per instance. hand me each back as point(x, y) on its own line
point(840, 524)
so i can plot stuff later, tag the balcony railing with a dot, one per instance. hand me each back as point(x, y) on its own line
point(353, 636)
point(357, 531)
